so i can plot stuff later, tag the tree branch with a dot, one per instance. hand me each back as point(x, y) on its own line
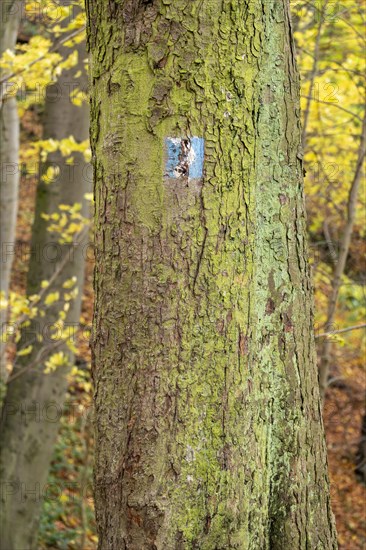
point(340, 331)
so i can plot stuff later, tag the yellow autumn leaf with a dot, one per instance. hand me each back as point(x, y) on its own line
point(69, 283)
point(25, 351)
point(52, 298)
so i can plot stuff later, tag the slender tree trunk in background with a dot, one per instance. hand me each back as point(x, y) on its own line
point(361, 453)
point(35, 399)
point(321, 11)
point(208, 425)
point(326, 351)
point(10, 15)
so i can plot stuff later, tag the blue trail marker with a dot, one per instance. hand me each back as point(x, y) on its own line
point(184, 157)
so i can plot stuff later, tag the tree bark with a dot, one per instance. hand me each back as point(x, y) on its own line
point(34, 400)
point(9, 168)
point(208, 425)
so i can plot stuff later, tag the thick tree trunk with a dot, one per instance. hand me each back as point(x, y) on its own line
point(208, 426)
point(9, 166)
point(34, 400)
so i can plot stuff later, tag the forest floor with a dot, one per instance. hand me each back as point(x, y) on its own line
point(343, 410)
point(67, 520)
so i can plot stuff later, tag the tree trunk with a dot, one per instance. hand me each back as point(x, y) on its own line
point(208, 425)
point(361, 453)
point(9, 166)
point(34, 400)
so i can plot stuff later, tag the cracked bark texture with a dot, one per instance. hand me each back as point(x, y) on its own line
point(208, 425)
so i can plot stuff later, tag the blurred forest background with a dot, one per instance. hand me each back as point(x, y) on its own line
point(44, 130)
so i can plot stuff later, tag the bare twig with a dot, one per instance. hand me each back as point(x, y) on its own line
point(340, 331)
point(41, 355)
point(335, 105)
